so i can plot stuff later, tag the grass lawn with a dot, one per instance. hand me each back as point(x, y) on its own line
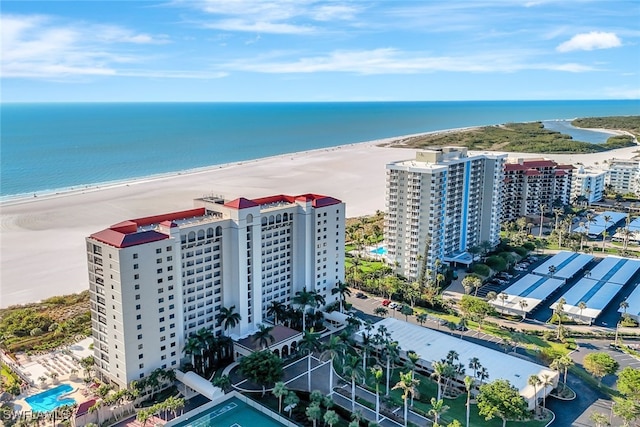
point(457, 407)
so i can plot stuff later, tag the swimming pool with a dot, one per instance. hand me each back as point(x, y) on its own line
point(232, 412)
point(50, 399)
point(379, 251)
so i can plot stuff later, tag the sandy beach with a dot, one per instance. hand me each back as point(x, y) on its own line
point(42, 239)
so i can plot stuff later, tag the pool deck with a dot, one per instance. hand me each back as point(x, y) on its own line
point(64, 363)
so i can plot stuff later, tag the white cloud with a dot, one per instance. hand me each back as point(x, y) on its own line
point(43, 47)
point(393, 61)
point(274, 17)
point(590, 41)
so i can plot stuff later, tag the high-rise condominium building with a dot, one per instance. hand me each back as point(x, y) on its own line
point(624, 176)
point(588, 184)
point(443, 201)
point(532, 183)
point(156, 280)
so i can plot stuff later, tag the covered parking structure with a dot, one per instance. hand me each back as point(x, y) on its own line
point(598, 287)
point(634, 235)
point(433, 346)
point(634, 304)
point(563, 265)
point(526, 294)
point(599, 225)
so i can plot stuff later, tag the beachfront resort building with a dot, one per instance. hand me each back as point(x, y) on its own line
point(154, 281)
point(440, 204)
point(624, 176)
point(530, 184)
point(588, 184)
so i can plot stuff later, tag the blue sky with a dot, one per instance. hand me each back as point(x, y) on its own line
point(305, 50)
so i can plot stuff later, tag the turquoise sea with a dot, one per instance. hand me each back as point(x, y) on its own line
point(50, 147)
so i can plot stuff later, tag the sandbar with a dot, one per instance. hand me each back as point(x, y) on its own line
point(42, 247)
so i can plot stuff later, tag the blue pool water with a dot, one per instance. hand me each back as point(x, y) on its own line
point(379, 251)
point(50, 399)
point(233, 412)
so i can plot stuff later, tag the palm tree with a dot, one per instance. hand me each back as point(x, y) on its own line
point(552, 270)
point(408, 385)
point(437, 409)
point(582, 305)
point(276, 309)
point(352, 369)
point(503, 297)
point(562, 363)
point(280, 390)
point(309, 343)
point(546, 382)
point(439, 371)
point(377, 378)
point(474, 363)
point(422, 318)
point(624, 305)
point(523, 305)
point(534, 381)
point(333, 348)
point(607, 220)
point(263, 336)
point(343, 290)
point(192, 347)
point(468, 385)
point(412, 363)
point(543, 207)
point(313, 412)
point(304, 299)
point(230, 318)
point(380, 311)
point(391, 351)
point(560, 312)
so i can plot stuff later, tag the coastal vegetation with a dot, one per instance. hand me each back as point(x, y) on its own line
point(630, 124)
point(45, 325)
point(529, 137)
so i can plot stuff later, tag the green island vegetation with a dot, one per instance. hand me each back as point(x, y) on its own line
point(529, 137)
point(45, 325)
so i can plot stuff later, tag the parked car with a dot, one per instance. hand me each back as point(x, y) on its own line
point(393, 305)
point(361, 295)
point(386, 302)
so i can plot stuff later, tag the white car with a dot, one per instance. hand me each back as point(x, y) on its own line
point(393, 305)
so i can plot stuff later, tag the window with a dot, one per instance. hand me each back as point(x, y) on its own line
point(138, 317)
point(136, 277)
point(160, 290)
point(135, 266)
point(135, 256)
point(140, 336)
point(169, 258)
point(159, 250)
point(168, 248)
point(161, 300)
point(138, 307)
point(159, 261)
point(139, 327)
point(139, 346)
point(158, 271)
point(137, 296)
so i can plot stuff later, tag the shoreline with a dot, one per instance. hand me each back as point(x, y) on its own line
point(42, 249)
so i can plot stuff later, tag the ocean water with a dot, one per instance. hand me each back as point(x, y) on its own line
point(51, 147)
point(565, 126)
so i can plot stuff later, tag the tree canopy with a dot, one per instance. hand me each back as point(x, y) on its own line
point(629, 382)
point(499, 398)
point(600, 364)
point(262, 367)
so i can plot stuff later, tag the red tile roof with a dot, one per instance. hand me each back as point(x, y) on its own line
point(241, 203)
point(83, 408)
point(125, 233)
